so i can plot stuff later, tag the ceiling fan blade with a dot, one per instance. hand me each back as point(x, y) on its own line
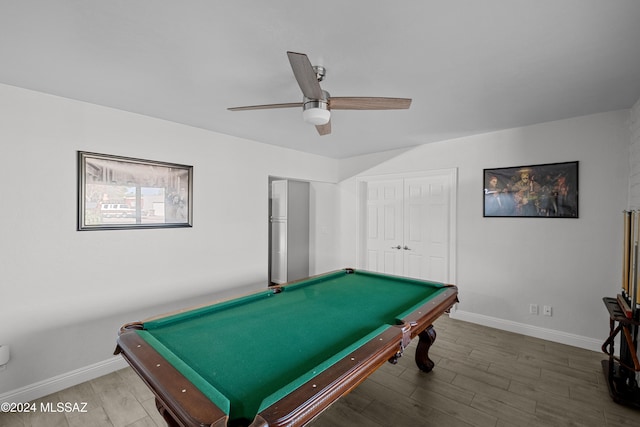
point(305, 75)
point(368, 103)
point(324, 129)
point(266, 106)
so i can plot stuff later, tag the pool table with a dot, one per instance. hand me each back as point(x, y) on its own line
point(279, 357)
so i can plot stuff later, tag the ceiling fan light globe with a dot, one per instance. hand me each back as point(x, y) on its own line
point(316, 116)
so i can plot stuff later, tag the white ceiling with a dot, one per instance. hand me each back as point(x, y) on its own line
point(470, 66)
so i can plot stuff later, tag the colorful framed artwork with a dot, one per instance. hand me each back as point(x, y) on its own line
point(535, 191)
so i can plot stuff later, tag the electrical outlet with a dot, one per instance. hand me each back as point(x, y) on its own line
point(547, 310)
point(533, 309)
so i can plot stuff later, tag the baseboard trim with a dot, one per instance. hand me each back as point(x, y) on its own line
point(529, 330)
point(63, 381)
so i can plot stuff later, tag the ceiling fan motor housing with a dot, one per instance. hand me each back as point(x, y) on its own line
point(316, 111)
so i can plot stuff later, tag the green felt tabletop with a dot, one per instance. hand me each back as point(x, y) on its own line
point(247, 349)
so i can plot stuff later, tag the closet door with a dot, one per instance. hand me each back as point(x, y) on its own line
point(426, 228)
point(407, 227)
point(384, 228)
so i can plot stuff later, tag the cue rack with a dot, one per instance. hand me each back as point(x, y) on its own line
point(623, 372)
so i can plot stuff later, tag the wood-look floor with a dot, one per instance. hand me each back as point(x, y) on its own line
point(483, 377)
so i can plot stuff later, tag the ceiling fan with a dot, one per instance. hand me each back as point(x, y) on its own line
point(317, 103)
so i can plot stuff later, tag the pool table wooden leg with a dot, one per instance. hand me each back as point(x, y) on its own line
point(171, 422)
point(426, 338)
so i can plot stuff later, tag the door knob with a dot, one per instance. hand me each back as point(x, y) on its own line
point(396, 247)
point(406, 248)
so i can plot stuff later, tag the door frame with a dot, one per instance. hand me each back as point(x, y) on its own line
point(451, 175)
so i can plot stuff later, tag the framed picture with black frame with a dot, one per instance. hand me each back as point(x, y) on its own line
point(116, 192)
point(535, 191)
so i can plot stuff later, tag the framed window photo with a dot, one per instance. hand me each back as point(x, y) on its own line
point(536, 191)
point(119, 192)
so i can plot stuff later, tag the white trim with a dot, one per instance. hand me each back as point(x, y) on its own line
point(63, 381)
point(529, 330)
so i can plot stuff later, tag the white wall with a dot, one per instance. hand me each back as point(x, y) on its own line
point(505, 264)
point(66, 292)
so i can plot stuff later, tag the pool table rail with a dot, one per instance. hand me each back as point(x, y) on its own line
point(313, 397)
point(176, 397)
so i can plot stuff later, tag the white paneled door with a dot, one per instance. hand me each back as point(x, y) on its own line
point(426, 228)
point(407, 224)
point(384, 227)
